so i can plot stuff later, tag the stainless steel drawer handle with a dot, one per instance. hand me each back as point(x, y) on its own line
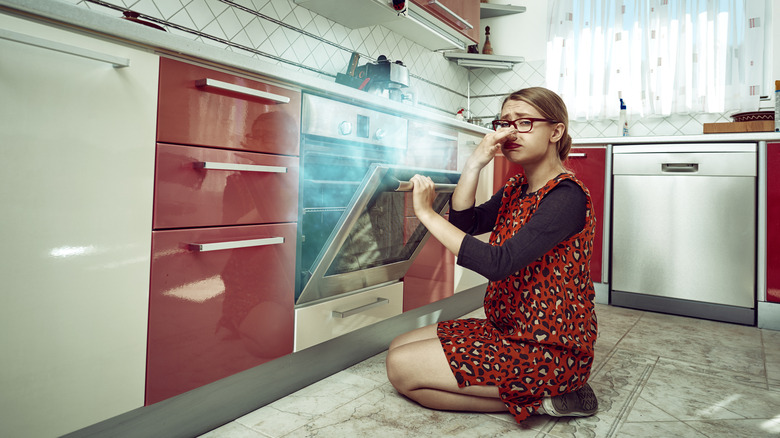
point(210, 165)
point(361, 309)
point(30, 40)
point(236, 244)
point(207, 82)
point(465, 24)
point(680, 167)
point(578, 155)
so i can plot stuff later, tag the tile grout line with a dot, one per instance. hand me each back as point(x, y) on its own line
point(614, 349)
point(632, 398)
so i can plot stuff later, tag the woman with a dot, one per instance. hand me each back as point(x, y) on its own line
point(534, 351)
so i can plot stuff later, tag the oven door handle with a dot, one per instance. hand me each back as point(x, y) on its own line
point(408, 186)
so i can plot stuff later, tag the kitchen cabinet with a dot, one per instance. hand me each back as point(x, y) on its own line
point(77, 205)
point(461, 15)
point(589, 165)
point(773, 223)
point(431, 276)
point(223, 247)
point(433, 24)
point(205, 107)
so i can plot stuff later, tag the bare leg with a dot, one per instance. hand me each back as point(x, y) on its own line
point(418, 369)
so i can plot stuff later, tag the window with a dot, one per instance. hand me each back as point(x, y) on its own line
point(662, 57)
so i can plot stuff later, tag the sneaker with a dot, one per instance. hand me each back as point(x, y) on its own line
point(580, 403)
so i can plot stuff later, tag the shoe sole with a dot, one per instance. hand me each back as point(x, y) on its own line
point(580, 403)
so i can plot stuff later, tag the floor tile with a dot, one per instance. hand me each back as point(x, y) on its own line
point(720, 345)
point(654, 375)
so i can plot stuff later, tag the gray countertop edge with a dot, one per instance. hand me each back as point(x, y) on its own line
point(695, 138)
point(163, 43)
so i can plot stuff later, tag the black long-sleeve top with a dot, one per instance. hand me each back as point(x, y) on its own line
point(560, 215)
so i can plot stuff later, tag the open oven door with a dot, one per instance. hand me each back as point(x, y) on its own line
point(377, 237)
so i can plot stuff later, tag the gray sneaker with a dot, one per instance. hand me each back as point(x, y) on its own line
point(580, 403)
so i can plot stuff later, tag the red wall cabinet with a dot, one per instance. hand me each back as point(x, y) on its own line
point(589, 165)
point(223, 246)
point(431, 276)
point(467, 10)
point(773, 223)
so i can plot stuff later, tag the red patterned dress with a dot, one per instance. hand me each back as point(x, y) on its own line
point(537, 340)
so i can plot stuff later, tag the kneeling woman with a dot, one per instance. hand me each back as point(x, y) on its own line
point(533, 353)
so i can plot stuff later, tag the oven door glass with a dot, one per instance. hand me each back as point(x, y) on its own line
point(373, 242)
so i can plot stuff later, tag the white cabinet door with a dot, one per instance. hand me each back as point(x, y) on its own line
point(77, 148)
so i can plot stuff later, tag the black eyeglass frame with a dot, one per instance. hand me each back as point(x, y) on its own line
point(514, 122)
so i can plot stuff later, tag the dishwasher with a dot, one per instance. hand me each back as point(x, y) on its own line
point(684, 229)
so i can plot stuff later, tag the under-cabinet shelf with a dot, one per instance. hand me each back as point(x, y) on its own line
point(490, 10)
point(476, 60)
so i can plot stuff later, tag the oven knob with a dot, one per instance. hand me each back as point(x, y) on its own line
point(380, 134)
point(345, 128)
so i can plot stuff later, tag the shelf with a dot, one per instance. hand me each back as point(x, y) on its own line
point(476, 60)
point(490, 10)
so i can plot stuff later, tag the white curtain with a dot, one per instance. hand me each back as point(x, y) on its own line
point(661, 56)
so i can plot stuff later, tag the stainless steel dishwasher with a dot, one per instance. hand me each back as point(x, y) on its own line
point(684, 229)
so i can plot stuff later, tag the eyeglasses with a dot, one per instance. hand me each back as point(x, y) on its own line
point(525, 124)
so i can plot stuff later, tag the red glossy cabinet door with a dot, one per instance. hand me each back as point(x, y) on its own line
point(466, 10)
point(431, 277)
point(219, 310)
point(205, 107)
point(196, 186)
point(773, 223)
point(589, 165)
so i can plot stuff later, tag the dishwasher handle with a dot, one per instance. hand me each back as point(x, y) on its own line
point(679, 167)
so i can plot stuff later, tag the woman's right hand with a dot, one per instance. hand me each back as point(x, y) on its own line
point(486, 150)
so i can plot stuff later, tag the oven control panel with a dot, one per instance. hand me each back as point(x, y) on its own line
point(342, 121)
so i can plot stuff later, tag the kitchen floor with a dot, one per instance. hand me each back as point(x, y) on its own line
point(655, 375)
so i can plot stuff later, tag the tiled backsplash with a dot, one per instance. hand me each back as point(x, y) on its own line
point(281, 32)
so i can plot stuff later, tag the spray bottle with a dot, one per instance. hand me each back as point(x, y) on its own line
point(777, 106)
point(623, 122)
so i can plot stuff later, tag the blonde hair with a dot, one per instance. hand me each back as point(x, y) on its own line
point(550, 106)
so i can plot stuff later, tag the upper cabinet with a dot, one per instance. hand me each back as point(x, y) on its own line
point(434, 24)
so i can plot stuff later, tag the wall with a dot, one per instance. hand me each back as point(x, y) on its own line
point(281, 32)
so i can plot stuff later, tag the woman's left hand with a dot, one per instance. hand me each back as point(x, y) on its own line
point(423, 195)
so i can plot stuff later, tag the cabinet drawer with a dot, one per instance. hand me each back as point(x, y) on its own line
point(200, 106)
point(327, 320)
point(218, 311)
point(231, 188)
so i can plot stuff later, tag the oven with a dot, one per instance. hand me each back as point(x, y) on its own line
point(353, 234)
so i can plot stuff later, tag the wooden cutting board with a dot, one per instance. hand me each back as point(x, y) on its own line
point(752, 126)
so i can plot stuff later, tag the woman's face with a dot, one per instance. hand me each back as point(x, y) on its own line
point(529, 147)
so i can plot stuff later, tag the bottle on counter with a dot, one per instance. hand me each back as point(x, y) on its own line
point(623, 120)
point(487, 48)
point(777, 106)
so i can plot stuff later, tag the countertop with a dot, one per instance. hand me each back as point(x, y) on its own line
point(701, 138)
point(164, 43)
